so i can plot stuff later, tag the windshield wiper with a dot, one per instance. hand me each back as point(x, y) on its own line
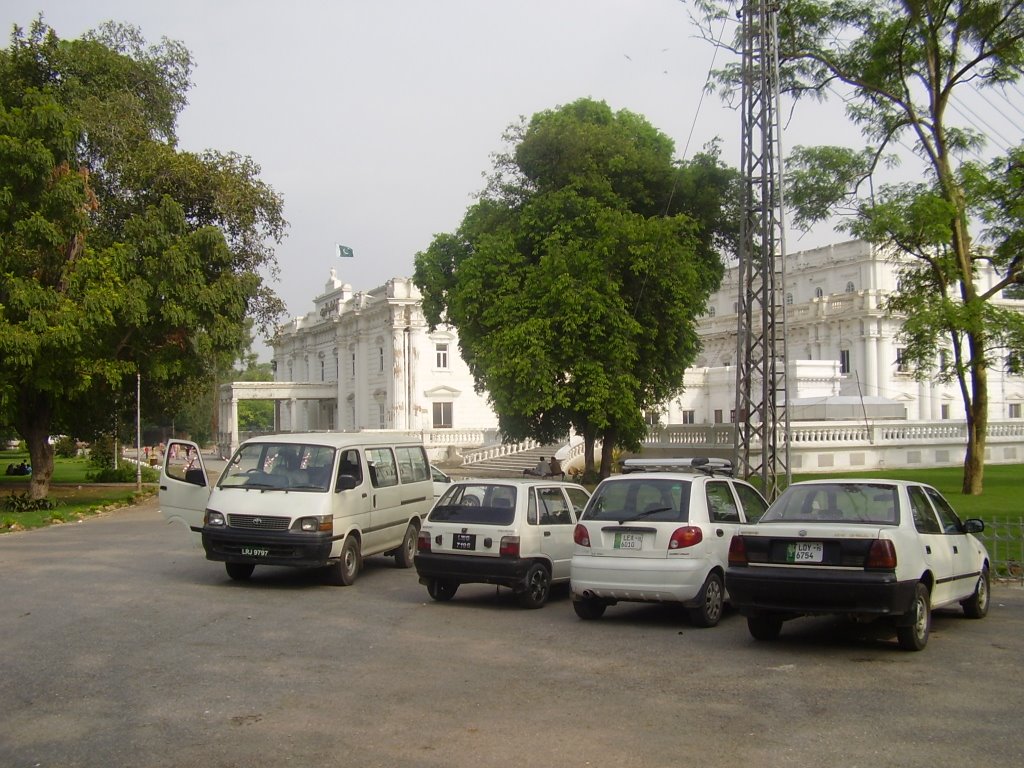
point(645, 513)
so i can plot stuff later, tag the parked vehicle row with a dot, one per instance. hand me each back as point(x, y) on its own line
point(683, 532)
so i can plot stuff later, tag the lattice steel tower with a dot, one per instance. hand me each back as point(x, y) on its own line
point(762, 423)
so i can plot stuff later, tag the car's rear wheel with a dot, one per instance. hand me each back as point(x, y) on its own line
point(538, 587)
point(343, 573)
point(764, 626)
point(442, 590)
point(712, 600)
point(976, 606)
point(405, 554)
point(913, 635)
point(589, 608)
point(239, 571)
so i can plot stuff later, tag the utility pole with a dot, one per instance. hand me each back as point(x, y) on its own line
point(762, 422)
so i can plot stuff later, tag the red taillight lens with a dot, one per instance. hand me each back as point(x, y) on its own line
point(509, 546)
point(882, 555)
point(685, 537)
point(581, 535)
point(737, 551)
point(423, 541)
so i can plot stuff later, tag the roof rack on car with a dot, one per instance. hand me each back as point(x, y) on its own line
point(704, 464)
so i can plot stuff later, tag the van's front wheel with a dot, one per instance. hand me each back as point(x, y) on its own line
point(343, 573)
point(239, 571)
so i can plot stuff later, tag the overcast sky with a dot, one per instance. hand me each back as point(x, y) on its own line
point(375, 119)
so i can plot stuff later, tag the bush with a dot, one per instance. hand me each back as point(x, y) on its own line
point(20, 502)
point(66, 447)
point(125, 473)
point(101, 452)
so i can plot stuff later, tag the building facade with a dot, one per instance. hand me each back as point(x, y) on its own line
point(844, 355)
point(385, 367)
point(368, 360)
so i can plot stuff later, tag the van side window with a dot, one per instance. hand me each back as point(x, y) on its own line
point(351, 466)
point(412, 464)
point(383, 470)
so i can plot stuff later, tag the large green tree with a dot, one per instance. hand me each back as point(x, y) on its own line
point(120, 254)
point(575, 280)
point(899, 66)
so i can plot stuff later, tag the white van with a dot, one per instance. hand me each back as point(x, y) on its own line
point(307, 500)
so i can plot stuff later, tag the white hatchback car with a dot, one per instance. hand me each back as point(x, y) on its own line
point(660, 537)
point(866, 549)
point(513, 533)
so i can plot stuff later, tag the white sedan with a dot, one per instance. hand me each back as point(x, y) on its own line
point(861, 548)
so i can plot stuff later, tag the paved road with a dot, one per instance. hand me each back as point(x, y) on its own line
point(121, 646)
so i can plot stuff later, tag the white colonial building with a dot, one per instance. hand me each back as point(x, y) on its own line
point(368, 360)
point(845, 358)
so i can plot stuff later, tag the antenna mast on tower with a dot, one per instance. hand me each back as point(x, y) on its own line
point(762, 422)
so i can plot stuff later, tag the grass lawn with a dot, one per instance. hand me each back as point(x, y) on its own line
point(73, 495)
point(1002, 497)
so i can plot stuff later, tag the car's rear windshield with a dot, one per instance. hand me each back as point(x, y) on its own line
point(643, 498)
point(871, 503)
point(280, 466)
point(476, 503)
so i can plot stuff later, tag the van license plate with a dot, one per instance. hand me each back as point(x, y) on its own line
point(464, 541)
point(254, 552)
point(629, 541)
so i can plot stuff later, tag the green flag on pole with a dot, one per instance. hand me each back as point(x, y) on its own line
point(344, 251)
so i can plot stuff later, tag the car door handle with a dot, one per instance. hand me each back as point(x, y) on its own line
point(547, 533)
point(927, 550)
point(956, 550)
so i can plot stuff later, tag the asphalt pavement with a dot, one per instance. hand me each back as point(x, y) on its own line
point(120, 645)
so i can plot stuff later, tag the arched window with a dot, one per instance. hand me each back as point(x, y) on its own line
point(849, 287)
point(818, 293)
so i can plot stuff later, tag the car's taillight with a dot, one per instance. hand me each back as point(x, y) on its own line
point(685, 537)
point(423, 541)
point(882, 555)
point(509, 546)
point(737, 551)
point(581, 535)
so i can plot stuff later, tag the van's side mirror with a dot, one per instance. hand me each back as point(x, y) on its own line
point(195, 476)
point(345, 483)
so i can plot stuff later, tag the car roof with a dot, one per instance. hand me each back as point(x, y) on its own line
point(524, 481)
point(336, 439)
point(637, 477)
point(858, 481)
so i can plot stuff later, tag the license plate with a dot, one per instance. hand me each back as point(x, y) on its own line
point(629, 541)
point(464, 541)
point(804, 552)
point(255, 552)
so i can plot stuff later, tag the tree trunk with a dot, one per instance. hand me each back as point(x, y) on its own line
point(607, 448)
point(977, 429)
point(589, 438)
point(35, 410)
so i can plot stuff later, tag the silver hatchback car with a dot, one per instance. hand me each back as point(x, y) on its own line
point(661, 537)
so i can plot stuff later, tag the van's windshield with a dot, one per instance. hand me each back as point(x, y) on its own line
point(280, 466)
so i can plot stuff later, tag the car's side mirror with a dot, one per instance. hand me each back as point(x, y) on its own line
point(974, 525)
point(345, 483)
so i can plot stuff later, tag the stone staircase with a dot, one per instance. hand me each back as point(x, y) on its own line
point(508, 465)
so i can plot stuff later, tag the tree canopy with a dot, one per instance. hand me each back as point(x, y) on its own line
point(575, 280)
point(120, 253)
point(899, 67)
